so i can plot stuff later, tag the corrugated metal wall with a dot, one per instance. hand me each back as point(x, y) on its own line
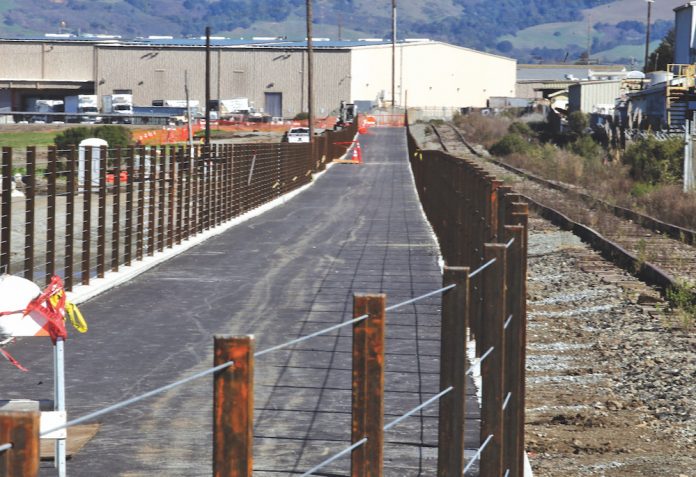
point(585, 96)
point(250, 73)
point(46, 61)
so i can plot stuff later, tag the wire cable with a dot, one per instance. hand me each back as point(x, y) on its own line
point(412, 300)
point(478, 453)
point(480, 360)
point(350, 322)
point(312, 335)
point(335, 457)
point(135, 399)
point(482, 267)
point(507, 400)
point(417, 408)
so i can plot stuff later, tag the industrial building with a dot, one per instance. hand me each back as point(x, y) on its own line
point(271, 73)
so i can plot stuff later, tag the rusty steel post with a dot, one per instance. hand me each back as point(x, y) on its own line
point(194, 174)
point(161, 206)
point(494, 210)
point(70, 220)
point(170, 179)
point(152, 205)
point(21, 429)
point(140, 231)
point(452, 415)
point(368, 385)
point(6, 210)
point(514, 371)
point(128, 238)
point(29, 212)
point(116, 212)
point(51, 214)
point(101, 215)
point(86, 216)
point(233, 407)
point(503, 192)
point(520, 216)
point(179, 195)
point(492, 368)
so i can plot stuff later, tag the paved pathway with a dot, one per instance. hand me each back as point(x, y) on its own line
point(282, 275)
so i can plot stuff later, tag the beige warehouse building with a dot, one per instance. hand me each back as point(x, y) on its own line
point(271, 73)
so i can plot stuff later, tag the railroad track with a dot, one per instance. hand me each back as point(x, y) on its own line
point(659, 253)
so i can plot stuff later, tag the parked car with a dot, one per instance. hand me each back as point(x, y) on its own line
point(298, 135)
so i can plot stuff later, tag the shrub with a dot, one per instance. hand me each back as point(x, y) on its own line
point(509, 144)
point(301, 116)
point(521, 128)
point(114, 135)
point(586, 147)
point(653, 161)
point(578, 122)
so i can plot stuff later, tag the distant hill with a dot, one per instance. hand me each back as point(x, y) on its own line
point(530, 30)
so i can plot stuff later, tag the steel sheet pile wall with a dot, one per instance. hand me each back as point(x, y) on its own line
point(482, 225)
point(79, 222)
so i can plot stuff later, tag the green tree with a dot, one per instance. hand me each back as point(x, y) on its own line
point(663, 54)
point(653, 161)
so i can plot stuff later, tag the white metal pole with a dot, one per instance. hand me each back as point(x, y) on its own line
point(59, 403)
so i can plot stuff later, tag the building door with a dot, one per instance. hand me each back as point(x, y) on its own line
point(274, 104)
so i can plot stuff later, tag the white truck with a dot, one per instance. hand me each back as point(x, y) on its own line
point(47, 106)
point(82, 108)
point(231, 109)
point(118, 107)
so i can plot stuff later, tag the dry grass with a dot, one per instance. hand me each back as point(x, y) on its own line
point(606, 180)
point(670, 204)
point(484, 130)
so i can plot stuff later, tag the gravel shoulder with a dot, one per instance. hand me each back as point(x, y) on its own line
point(610, 382)
point(611, 376)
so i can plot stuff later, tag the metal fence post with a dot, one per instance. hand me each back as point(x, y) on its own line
point(70, 219)
point(368, 385)
point(101, 215)
point(455, 320)
point(6, 210)
point(29, 214)
point(51, 215)
point(233, 407)
point(520, 216)
point(116, 213)
point(492, 368)
point(514, 350)
point(21, 429)
point(86, 215)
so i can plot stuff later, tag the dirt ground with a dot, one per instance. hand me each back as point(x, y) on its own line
point(610, 383)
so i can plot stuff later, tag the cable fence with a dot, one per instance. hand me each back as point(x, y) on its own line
point(481, 227)
point(82, 212)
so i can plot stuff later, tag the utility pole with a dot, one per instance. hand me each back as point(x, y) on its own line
point(310, 79)
point(647, 36)
point(393, 53)
point(207, 86)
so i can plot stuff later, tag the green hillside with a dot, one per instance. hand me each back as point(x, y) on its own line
point(530, 30)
